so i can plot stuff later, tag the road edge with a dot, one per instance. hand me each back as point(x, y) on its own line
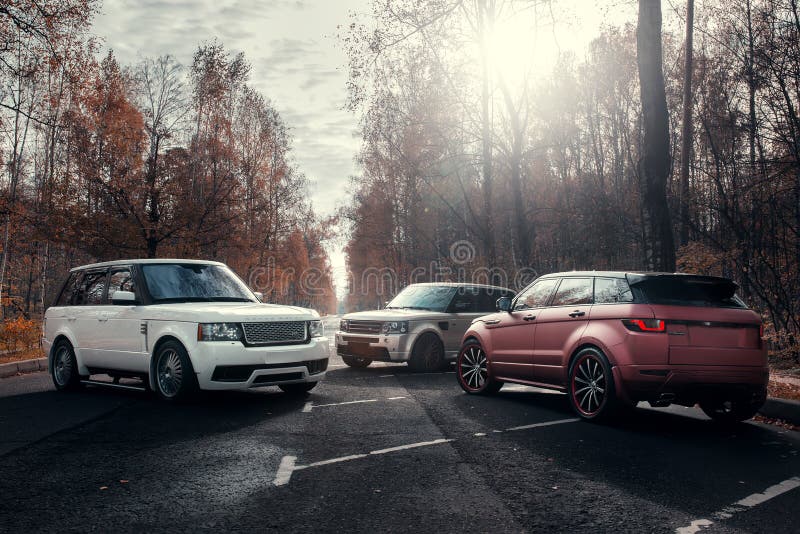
point(23, 366)
point(784, 409)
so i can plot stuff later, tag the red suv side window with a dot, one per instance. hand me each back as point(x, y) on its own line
point(536, 295)
point(573, 291)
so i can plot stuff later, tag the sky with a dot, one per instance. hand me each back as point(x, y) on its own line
point(298, 64)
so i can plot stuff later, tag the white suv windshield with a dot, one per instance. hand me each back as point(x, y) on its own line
point(189, 282)
point(434, 298)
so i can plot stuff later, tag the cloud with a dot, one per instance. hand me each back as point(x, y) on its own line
point(294, 65)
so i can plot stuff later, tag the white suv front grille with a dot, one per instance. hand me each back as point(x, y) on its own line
point(274, 333)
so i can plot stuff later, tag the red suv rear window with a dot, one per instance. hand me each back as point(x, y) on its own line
point(689, 291)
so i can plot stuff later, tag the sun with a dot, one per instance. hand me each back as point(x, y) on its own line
point(511, 48)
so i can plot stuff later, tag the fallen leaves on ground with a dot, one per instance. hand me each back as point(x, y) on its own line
point(782, 390)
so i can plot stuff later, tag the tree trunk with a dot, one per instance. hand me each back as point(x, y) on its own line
point(655, 159)
point(485, 16)
point(524, 233)
point(686, 136)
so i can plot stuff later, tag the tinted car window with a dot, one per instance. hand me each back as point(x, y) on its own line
point(92, 288)
point(120, 280)
point(487, 299)
point(573, 291)
point(536, 295)
point(686, 291)
point(465, 300)
point(611, 290)
point(69, 291)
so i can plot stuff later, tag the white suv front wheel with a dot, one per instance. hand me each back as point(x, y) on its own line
point(64, 369)
point(174, 376)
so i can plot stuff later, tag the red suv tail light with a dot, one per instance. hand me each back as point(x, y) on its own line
point(645, 325)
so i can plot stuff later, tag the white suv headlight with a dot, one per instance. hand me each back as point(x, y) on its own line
point(219, 332)
point(395, 327)
point(315, 329)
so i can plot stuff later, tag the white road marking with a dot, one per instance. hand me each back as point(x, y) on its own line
point(287, 466)
point(411, 446)
point(331, 461)
point(479, 434)
point(384, 376)
point(546, 423)
point(310, 405)
point(741, 505)
point(285, 470)
point(696, 526)
point(343, 403)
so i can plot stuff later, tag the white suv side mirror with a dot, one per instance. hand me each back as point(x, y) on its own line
point(123, 297)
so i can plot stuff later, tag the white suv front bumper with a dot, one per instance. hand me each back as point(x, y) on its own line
point(232, 366)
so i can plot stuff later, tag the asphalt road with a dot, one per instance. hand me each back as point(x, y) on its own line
point(380, 450)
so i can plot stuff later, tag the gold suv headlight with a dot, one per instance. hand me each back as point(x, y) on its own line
point(395, 327)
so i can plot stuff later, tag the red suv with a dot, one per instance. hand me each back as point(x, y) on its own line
point(610, 339)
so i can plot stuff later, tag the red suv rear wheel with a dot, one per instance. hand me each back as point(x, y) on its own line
point(591, 385)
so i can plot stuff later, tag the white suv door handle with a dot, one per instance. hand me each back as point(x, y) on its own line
point(102, 317)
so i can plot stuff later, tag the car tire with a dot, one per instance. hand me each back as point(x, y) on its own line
point(473, 372)
point(64, 369)
point(174, 376)
point(427, 354)
point(730, 412)
point(357, 362)
point(591, 385)
point(297, 389)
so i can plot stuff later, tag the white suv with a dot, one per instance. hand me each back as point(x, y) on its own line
point(179, 325)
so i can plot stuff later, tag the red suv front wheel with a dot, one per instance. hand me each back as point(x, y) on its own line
point(472, 370)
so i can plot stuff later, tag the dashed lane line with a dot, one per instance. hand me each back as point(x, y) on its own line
point(546, 423)
point(742, 505)
point(288, 463)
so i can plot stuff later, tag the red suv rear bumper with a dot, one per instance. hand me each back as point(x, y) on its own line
point(688, 384)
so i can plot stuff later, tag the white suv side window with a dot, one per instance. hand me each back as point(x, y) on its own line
point(120, 280)
point(92, 288)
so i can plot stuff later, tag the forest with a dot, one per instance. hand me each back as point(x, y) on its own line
point(551, 171)
point(104, 161)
